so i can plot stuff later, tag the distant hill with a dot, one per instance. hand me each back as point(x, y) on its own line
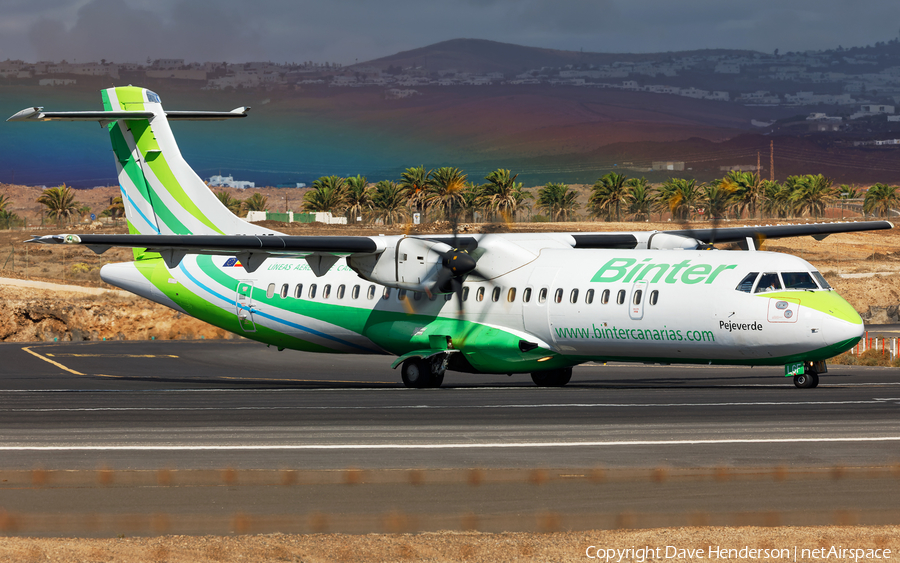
point(481, 55)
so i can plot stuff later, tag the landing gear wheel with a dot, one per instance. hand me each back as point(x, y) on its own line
point(552, 378)
point(806, 380)
point(416, 373)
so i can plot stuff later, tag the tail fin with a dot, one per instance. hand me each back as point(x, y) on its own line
point(161, 193)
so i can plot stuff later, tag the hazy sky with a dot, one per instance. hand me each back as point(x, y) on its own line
point(348, 30)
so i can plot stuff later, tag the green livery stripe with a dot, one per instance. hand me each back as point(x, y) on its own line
point(136, 175)
point(156, 273)
point(146, 142)
point(487, 348)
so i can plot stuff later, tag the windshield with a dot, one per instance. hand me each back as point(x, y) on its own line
point(768, 282)
point(798, 280)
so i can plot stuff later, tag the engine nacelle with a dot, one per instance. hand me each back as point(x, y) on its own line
point(665, 241)
point(412, 263)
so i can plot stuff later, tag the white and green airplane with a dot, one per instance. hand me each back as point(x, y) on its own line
point(486, 303)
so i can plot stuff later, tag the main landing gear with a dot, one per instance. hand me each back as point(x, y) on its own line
point(552, 377)
point(422, 373)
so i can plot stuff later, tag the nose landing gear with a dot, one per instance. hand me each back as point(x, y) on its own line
point(808, 377)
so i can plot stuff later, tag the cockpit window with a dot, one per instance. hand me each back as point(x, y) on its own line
point(747, 283)
point(798, 280)
point(821, 279)
point(152, 97)
point(768, 282)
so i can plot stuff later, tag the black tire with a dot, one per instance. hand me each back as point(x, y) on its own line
point(416, 373)
point(804, 381)
point(552, 378)
point(436, 380)
point(815, 379)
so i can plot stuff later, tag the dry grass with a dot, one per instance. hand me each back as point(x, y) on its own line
point(447, 546)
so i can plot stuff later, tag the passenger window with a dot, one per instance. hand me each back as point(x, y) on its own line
point(589, 296)
point(573, 297)
point(298, 291)
point(821, 279)
point(620, 298)
point(798, 280)
point(654, 297)
point(465, 294)
point(604, 297)
point(312, 291)
point(386, 294)
point(284, 291)
point(340, 291)
point(370, 294)
point(270, 291)
point(542, 295)
point(637, 296)
point(479, 295)
point(354, 293)
point(768, 282)
point(433, 297)
point(526, 295)
point(417, 295)
point(557, 295)
point(511, 294)
point(448, 297)
point(747, 283)
point(401, 295)
point(495, 295)
point(326, 291)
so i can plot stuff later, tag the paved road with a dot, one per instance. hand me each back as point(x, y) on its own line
point(238, 404)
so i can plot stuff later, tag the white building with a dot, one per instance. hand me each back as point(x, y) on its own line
point(230, 182)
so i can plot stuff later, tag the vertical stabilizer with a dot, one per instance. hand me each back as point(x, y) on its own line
point(161, 193)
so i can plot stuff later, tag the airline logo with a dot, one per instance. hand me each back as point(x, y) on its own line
point(630, 270)
point(232, 263)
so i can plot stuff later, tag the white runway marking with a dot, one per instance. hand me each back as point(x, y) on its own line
point(876, 401)
point(453, 446)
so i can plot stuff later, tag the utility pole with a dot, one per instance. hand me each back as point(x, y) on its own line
point(758, 171)
point(772, 161)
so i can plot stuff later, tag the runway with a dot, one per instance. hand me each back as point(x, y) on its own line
point(144, 405)
point(135, 408)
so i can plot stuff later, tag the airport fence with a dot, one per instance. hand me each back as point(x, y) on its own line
point(122, 483)
point(888, 346)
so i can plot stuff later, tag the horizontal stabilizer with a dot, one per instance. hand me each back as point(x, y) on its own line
point(38, 114)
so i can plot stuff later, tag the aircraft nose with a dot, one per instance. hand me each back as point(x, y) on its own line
point(844, 326)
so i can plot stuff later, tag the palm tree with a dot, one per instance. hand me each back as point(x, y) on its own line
point(812, 194)
point(716, 199)
point(358, 197)
point(881, 198)
point(499, 195)
point(7, 217)
point(640, 198)
point(746, 191)
point(471, 200)
point(414, 182)
point(328, 194)
point(116, 208)
point(776, 200)
point(445, 186)
point(4, 201)
point(389, 202)
point(256, 202)
point(232, 203)
point(60, 202)
point(608, 192)
point(557, 201)
point(679, 196)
